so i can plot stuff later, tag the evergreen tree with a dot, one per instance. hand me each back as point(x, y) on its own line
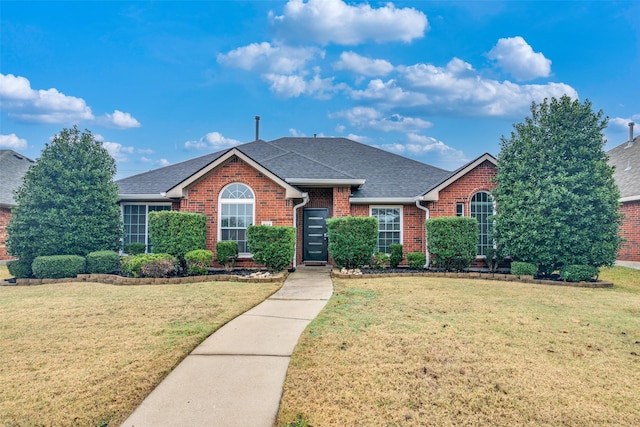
point(67, 204)
point(556, 198)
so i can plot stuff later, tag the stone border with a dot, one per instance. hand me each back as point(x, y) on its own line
point(112, 279)
point(475, 275)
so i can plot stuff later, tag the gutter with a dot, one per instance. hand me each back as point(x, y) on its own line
point(158, 197)
point(426, 242)
point(305, 200)
point(312, 182)
point(629, 199)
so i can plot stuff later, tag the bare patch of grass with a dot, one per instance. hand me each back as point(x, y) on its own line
point(447, 352)
point(88, 354)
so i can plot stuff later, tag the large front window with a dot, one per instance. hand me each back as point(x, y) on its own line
point(482, 209)
point(236, 214)
point(136, 222)
point(389, 227)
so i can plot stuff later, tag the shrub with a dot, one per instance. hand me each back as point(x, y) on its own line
point(103, 262)
point(379, 260)
point(493, 259)
point(452, 241)
point(396, 255)
point(58, 266)
point(416, 260)
point(132, 265)
point(20, 269)
point(198, 261)
point(135, 248)
point(523, 269)
point(578, 273)
point(352, 240)
point(272, 246)
point(177, 233)
point(163, 267)
point(227, 253)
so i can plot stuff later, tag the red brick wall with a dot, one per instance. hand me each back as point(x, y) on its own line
point(270, 202)
point(5, 214)
point(341, 205)
point(630, 231)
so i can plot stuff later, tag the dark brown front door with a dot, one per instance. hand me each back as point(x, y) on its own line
point(315, 235)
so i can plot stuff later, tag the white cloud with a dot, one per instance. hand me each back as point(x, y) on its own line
point(213, 140)
point(370, 118)
point(334, 21)
point(364, 66)
point(119, 152)
point(390, 94)
point(516, 57)
point(359, 138)
point(419, 145)
point(122, 120)
point(292, 86)
point(44, 106)
point(268, 58)
point(13, 142)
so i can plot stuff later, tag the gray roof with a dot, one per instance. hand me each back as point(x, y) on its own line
point(626, 160)
point(387, 175)
point(13, 166)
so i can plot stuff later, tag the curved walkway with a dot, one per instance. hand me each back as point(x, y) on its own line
point(235, 377)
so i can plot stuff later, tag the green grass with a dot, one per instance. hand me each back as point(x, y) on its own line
point(448, 352)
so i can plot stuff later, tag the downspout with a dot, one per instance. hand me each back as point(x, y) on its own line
point(305, 200)
point(426, 243)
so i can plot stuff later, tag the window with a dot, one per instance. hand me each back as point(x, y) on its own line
point(135, 219)
point(459, 209)
point(482, 209)
point(389, 227)
point(236, 214)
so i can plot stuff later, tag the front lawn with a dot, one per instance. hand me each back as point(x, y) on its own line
point(448, 352)
point(87, 354)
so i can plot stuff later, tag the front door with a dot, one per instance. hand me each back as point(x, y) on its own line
point(315, 232)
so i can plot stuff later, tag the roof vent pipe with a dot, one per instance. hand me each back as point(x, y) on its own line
point(257, 127)
point(631, 124)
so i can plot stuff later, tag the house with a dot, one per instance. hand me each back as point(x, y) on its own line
point(13, 166)
point(303, 181)
point(626, 160)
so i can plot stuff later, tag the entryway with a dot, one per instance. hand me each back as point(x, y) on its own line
point(314, 249)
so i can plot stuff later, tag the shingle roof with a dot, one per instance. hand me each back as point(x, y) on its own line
point(386, 174)
point(626, 159)
point(13, 166)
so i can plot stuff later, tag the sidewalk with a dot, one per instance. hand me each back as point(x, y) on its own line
point(235, 377)
point(630, 264)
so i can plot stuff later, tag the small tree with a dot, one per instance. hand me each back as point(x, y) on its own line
point(453, 241)
point(67, 204)
point(177, 233)
point(556, 198)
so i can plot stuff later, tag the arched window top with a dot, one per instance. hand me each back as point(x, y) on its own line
point(482, 197)
point(236, 191)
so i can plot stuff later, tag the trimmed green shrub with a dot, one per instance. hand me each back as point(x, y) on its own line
point(352, 240)
point(58, 266)
point(416, 260)
point(396, 255)
point(379, 260)
point(272, 247)
point(20, 269)
point(132, 265)
point(198, 261)
point(578, 273)
point(523, 269)
point(103, 262)
point(135, 248)
point(453, 241)
point(227, 253)
point(176, 233)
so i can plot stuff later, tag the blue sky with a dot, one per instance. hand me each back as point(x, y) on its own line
point(438, 81)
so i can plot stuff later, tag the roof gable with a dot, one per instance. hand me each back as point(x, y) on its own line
point(13, 166)
point(432, 194)
point(626, 160)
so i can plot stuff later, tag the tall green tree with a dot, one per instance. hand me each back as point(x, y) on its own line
point(556, 198)
point(67, 204)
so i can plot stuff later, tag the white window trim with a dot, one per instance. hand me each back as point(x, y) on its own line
point(146, 216)
point(237, 201)
point(372, 207)
point(493, 210)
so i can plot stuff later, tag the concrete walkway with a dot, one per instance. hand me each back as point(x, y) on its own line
point(235, 377)
point(630, 264)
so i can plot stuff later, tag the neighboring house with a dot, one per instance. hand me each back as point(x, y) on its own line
point(13, 166)
point(626, 159)
point(303, 181)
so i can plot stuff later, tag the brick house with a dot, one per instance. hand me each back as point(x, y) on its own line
point(303, 181)
point(13, 166)
point(626, 160)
